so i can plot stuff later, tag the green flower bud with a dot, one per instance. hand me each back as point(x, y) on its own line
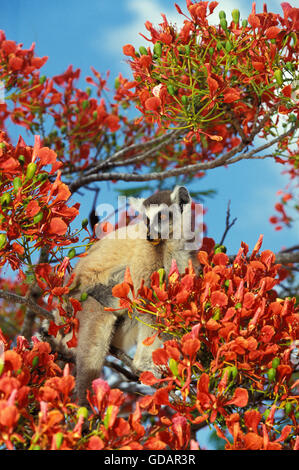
point(5, 200)
point(42, 79)
point(275, 362)
point(35, 361)
point(173, 366)
point(21, 159)
point(71, 253)
point(84, 223)
point(236, 16)
point(228, 46)
point(271, 374)
point(82, 411)
point(184, 99)
point(17, 183)
point(158, 49)
point(278, 77)
point(223, 24)
point(142, 50)
point(288, 408)
point(234, 372)
point(31, 169)
point(187, 49)
point(222, 14)
point(171, 90)
point(38, 217)
point(83, 297)
point(85, 104)
point(58, 439)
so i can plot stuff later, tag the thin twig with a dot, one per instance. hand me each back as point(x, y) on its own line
point(228, 224)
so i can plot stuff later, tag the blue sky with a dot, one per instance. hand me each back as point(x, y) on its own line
point(93, 33)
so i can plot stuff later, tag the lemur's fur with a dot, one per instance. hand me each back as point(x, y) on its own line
point(103, 267)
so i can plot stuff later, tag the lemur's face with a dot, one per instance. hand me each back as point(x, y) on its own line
point(163, 213)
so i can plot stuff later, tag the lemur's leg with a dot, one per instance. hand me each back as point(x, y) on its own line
point(94, 339)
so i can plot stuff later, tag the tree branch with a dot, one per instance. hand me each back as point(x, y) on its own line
point(226, 159)
point(18, 299)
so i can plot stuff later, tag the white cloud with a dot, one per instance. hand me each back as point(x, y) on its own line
point(128, 33)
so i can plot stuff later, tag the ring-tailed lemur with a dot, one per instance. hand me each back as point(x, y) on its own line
point(145, 247)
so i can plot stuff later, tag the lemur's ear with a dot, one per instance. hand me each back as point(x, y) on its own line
point(180, 195)
point(137, 204)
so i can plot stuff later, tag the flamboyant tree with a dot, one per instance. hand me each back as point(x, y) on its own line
point(207, 95)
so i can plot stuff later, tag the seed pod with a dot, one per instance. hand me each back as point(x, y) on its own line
point(31, 169)
point(171, 90)
point(116, 83)
point(244, 23)
point(275, 362)
point(271, 374)
point(38, 217)
point(238, 305)
point(278, 77)
point(84, 223)
point(58, 439)
point(85, 104)
point(83, 297)
point(17, 183)
point(71, 253)
point(42, 79)
point(158, 49)
point(236, 16)
point(88, 90)
point(142, 50)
